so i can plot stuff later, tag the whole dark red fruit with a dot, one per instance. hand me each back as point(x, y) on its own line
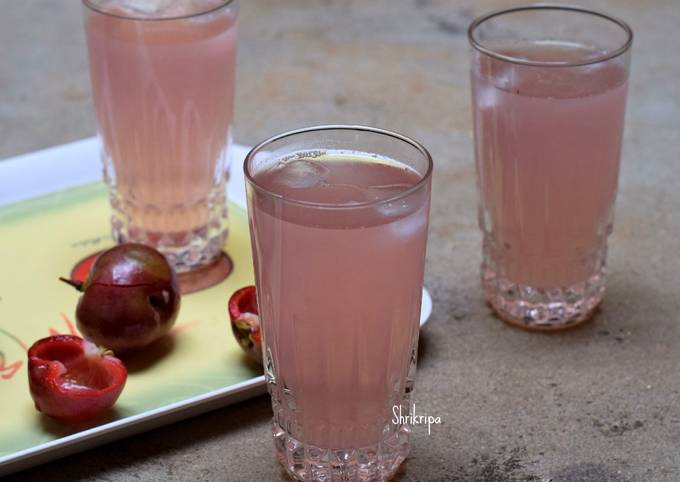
point(130, 298)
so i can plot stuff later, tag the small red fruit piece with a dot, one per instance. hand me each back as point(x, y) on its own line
point(245, 321)
point(72, 379)
point(130, 298)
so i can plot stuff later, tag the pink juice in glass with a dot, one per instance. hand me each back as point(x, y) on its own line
point(548, 143)
point(339, 275)
point(163, 77)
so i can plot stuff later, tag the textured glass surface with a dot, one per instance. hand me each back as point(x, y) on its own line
point(339, 291)
point(163, 93)
point(548, 131)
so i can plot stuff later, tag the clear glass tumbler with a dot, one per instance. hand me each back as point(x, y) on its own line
point(163, 80)
point(549, 87)
point(338, 219)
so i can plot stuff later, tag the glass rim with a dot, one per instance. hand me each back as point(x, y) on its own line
point(91, 5)
point(343, 127)
point(477, 45)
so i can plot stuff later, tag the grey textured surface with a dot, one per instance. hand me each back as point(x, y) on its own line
point(598, 404)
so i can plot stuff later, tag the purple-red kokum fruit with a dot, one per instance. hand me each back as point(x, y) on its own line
point(130, 298)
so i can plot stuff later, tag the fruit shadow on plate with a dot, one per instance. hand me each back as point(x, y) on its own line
point(62, 429)
point(249, 362)
point(147, 357)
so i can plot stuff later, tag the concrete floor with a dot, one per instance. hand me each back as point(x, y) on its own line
point(597, 404)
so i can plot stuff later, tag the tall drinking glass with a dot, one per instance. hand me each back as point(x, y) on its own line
point(338, 219)
point(549, 90)
point(163, 78)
